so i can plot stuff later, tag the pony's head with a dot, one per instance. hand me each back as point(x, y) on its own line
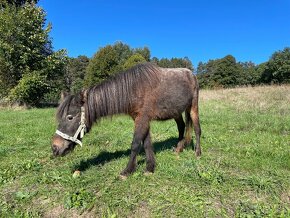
point(71, 124)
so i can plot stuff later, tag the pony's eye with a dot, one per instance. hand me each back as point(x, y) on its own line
point(69, 117)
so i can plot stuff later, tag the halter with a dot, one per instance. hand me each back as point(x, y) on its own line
point(80, 131)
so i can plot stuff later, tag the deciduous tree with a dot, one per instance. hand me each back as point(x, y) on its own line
point(75, 73)
point(112, 59)
point(26, 48)
point(277, 69)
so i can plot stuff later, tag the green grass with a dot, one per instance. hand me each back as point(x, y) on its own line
point(244, 170)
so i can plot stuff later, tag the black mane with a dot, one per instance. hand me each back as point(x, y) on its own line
point(114, 95)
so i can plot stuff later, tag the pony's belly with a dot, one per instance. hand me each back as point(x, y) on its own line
point(166, 114)
point(169, 107)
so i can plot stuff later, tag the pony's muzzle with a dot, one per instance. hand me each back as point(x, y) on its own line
point(60, 146)
point(57, 145)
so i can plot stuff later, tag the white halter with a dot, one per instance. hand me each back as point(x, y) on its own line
point(81, 130)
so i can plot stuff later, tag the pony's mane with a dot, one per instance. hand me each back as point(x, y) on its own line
point(116, 94)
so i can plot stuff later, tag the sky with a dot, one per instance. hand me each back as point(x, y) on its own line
point(250, 30)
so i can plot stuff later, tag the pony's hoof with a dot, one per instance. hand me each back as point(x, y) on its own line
point(122, 177)
point(198, 154)
point(178, 150)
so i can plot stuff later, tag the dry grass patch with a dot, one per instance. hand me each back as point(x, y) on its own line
point(260, 98)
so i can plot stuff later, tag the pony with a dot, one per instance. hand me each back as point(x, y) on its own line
point(145, 92)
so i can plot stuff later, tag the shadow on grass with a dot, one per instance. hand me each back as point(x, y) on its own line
point(105, 156)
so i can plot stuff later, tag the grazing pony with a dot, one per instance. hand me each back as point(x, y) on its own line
point(145, 92)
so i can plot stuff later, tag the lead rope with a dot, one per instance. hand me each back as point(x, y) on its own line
point(80, 131)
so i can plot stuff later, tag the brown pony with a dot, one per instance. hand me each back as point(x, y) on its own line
point(145, 92)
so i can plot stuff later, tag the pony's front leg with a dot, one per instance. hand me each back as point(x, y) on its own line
point(141, 131)
point(150, 159)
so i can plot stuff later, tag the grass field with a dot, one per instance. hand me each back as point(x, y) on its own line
point(244, 170)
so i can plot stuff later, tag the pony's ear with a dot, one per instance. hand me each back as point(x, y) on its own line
point(82, 97)
point(63, 95)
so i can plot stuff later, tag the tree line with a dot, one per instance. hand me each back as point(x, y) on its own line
point(31, 71)
point(227, 72)
point(85, 72)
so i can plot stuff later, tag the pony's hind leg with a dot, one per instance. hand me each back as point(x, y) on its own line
point(181, 126)
point(188, 128)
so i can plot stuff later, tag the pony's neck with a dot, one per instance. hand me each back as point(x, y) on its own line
point(107, 99)
point(117, 94)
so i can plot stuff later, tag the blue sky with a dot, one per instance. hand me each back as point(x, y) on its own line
point(199, 29)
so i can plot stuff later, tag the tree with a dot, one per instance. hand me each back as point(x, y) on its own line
point(110, 60)
point(224, 72)
point(144, 52)
point(155, 60)
point(133, 60)
point(227, 72)
point(201, 68)
point(277, 69)
point(174, 62)
point(249, 75)
point(101, 66)
point(260, 69)
point(164, 62)
point(187, 63)
point(203, 75)
point(30, 89)
point(123, 52)
point(17, 3)
point(26, 48)
point(75, 74)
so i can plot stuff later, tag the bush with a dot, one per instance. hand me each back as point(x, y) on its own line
point(134, 60)
point(30, 89)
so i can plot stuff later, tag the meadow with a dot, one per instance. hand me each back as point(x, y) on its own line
point(244, 170)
